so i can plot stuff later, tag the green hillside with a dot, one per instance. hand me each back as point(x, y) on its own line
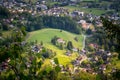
point(45, 35)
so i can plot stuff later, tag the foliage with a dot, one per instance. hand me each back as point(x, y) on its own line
point(47, 53)
point(88, 31)
point(56, 61)
point(84, 76)
point(11, 46)
point(61, 22)
point(115, 5)
point(100, 38)
point(57, 43)
point(54, 40)
point(45, 35)
point(112, 30)
point(18, 61)
point(4, 13)
point(69, 45)
point(116, 74)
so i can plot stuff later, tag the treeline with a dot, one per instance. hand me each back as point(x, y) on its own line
point(64, 23)
point(4, 13)
point(99, 37)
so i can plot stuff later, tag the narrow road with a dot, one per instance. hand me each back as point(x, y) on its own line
point(84, 41)
point(84, 57)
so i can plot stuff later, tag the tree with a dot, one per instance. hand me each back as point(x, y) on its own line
point(11, 49)
point(112, 30)
point(116, 74)
point(54, 40)
point(4, 12)
point(69, 45)
point(56, 61)
point(41, 43)
point(11, 46)
point(76, 39)
point(39, 22)
point(61, 46)
point(112, 48)
point(0, 29)
point(88, 31)
point(20, 67)
point(53, 75)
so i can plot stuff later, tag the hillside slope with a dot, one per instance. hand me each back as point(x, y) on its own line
point(45, 35)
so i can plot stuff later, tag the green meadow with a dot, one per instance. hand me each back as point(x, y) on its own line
point(45, 35)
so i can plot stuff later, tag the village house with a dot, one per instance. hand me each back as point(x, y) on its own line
point(56, 11)
point(68, 53)
point(36, 48)
point(40, 7)
point(102, 67)
point(75, 49)
point(84, 24)
point(93, 45)
point(83, 51)
point(79, 60)
point(53, 63)
point(61, 41)
point(77, 13)
point(43, 7)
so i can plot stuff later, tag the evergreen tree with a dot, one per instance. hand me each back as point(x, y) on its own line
point(69, 45)
point(54, 40)
point(112, 30)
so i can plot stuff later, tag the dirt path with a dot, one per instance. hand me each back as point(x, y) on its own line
point(84, 41)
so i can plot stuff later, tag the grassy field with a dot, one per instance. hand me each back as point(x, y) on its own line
point(86, 10)
point(45, 36)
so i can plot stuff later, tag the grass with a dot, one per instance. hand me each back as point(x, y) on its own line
point(86, 10)
point(45, 35)
point(116, 61)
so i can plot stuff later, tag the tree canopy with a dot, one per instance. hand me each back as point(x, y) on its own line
point(112, 29)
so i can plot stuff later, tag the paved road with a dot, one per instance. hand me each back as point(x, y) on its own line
point(84, 41)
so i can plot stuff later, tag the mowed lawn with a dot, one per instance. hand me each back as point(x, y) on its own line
point(45, 35)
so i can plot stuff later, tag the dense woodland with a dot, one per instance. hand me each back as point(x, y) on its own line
point(65, 23)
